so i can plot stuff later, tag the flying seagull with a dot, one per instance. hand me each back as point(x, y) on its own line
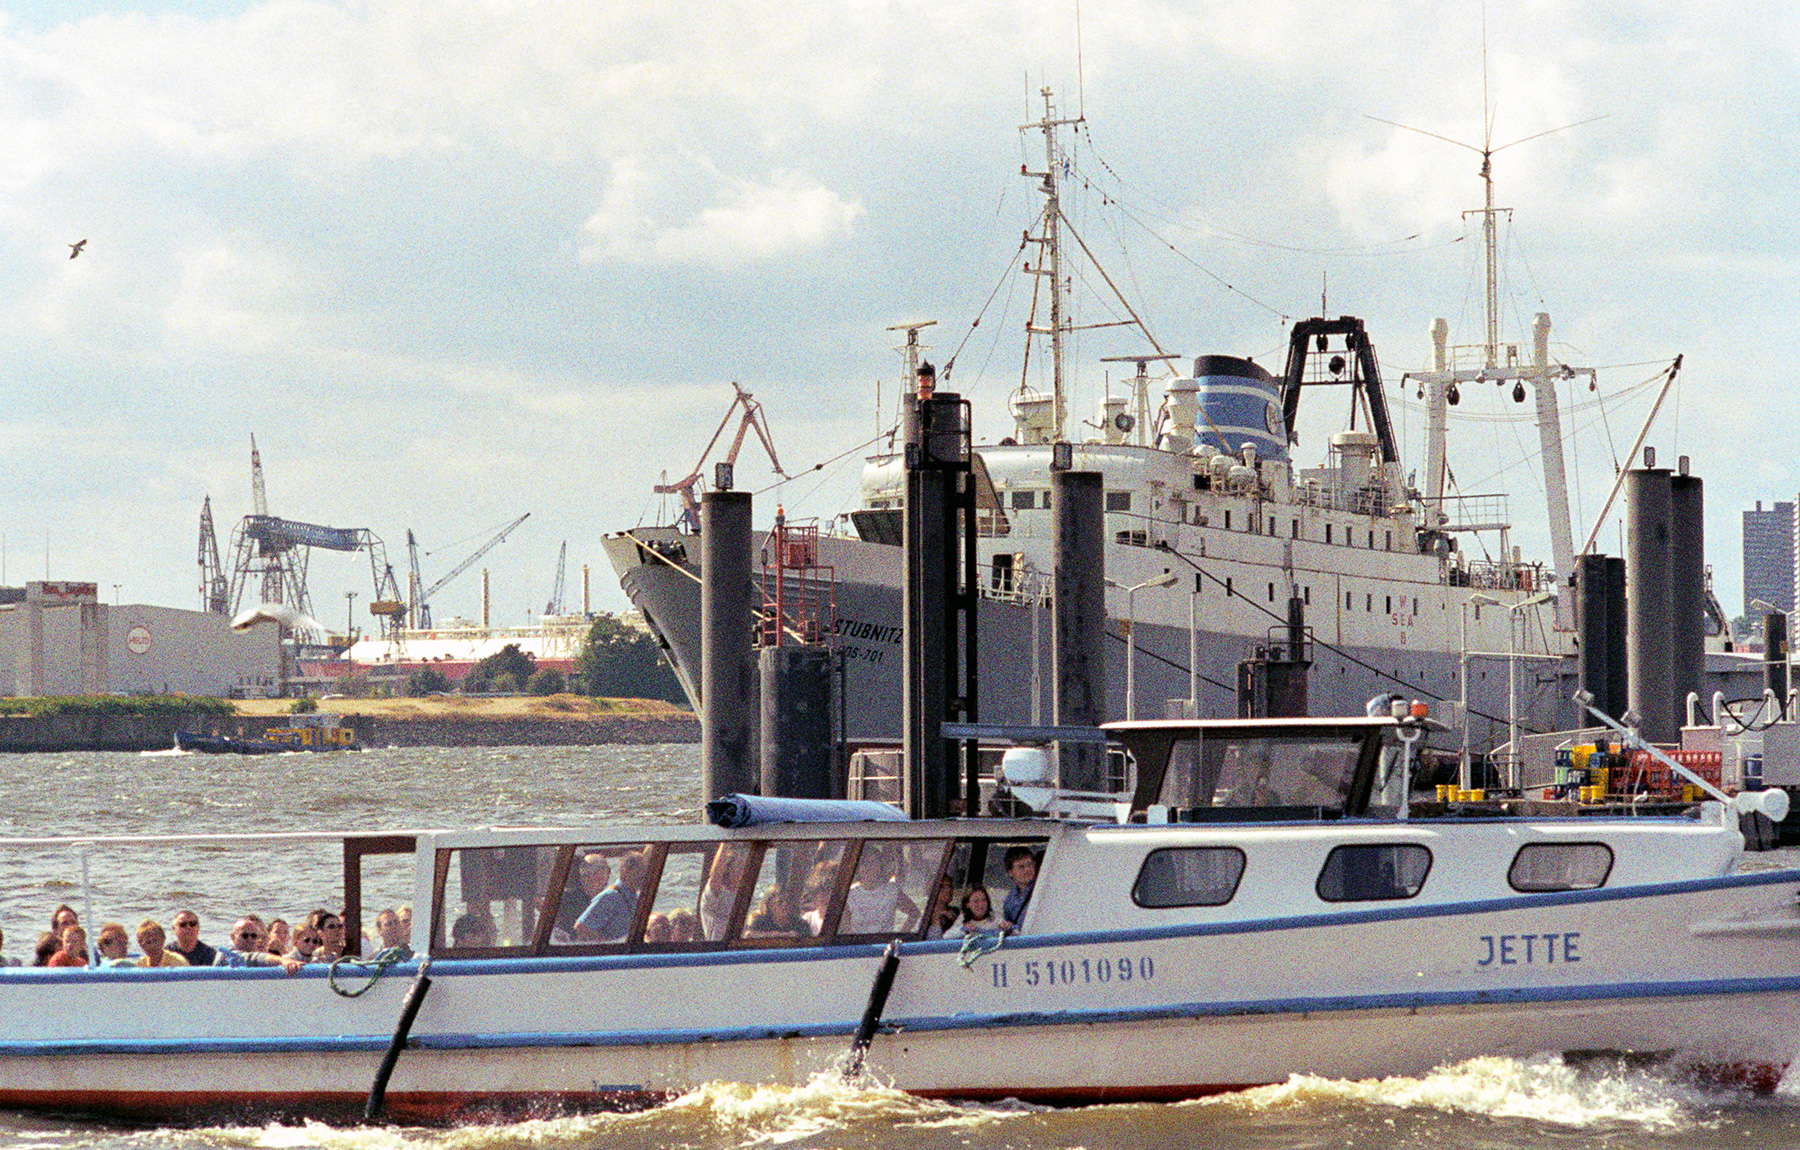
point(75, 248)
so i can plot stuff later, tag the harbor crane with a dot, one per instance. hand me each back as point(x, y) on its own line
point(555, 605)
point(752, 418)
point(215, 590)
point(421, 596)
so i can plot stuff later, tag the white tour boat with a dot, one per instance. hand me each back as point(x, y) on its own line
point(1259, 899)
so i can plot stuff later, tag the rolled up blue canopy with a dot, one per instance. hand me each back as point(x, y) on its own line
point(756, 810)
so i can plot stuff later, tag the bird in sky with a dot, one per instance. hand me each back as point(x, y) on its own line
point(75, 248)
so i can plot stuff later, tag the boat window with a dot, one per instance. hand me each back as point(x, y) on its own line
point(674, 916)
point(599, 899)
point(1024, 500)
point(892, 887)
point(1261, 771)
point(1189, 876)
point(1560, 866)
point(795, 887)
point(1373, 872)
point(1118, 501)
point(488, 897)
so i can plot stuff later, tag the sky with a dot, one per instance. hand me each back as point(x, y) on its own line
point(453, 261)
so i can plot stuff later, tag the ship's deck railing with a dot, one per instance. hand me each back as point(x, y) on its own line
point(1470, 512)
point(1366, 500)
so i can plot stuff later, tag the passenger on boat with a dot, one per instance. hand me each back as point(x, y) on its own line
point(978, 916)
point(719, 894)
point(608, 917)
point(657, 929)
point(112, 946)
point(62, 918)
point(778, 916)
point(248, 940)
point(48, 946)
point(405, 913)
point(943, 910)
point(280, 938)
point(815, 900)
point(329, 927)
point(875, 899)
point(388, 934)
point(472, 930)
point(684, 926)
point(74, 950)
point(151, 939)
point(592, 874)
point(1021, 865)
point(187, 942)
point(306, 943)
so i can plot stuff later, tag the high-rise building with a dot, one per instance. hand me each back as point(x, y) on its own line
point(1769, 556)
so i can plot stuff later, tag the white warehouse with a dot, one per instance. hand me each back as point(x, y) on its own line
point(57, 638)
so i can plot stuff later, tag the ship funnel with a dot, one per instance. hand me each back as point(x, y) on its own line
point(1239, 403)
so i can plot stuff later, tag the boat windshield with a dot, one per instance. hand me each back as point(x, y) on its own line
point(1262, 771)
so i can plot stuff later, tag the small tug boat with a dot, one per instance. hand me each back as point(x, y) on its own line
point(1257, 899)
point(303, 733)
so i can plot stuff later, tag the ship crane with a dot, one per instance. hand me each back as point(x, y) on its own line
point(215, 590)
point(421, 601)
point(752, 418)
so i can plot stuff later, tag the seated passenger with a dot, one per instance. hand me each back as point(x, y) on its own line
point(684, 926)
point(187, 942)
point(62, 918)
point(48, 946)
point(280, 939)
point(942, 915)
point(151, 941)
point(608, 918)
point(73, 951)
point(473, 931)
point(777, 915)
point(248, 948)
point(592, 874)
point(1021, 865)
point(816, 896)
point(875, 899)
point(978, 916)
point(657, 928)
point(306, 943)
point(112, 945)
point(329, 927)
point(388, 934)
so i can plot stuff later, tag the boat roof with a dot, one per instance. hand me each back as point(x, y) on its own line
point(1273, 726)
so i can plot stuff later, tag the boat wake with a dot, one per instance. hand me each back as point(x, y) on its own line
point(1599, 1093)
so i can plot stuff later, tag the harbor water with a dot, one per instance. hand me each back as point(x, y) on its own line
point(1492, 1103)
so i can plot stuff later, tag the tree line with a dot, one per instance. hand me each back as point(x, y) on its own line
point(615, 661)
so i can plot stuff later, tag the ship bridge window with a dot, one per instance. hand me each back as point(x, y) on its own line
point(1373, 872)
point(1560, 866)
point(1118, 501)
point(1024, 500)
point(1189, 876)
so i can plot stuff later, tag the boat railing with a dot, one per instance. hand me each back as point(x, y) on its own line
point(1468, 513)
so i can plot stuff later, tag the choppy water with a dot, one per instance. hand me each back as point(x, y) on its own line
point(1484, 1103)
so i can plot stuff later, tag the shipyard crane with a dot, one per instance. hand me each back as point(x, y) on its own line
point(555, 605)
point(421, 603)
point(214, 588)
point(752, 418)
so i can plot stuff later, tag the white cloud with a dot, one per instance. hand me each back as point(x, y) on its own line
point(751, 222)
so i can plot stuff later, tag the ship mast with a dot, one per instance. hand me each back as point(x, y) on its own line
point(1050, 256)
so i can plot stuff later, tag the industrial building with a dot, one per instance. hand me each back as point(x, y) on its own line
point(58, 638)
point(1769, 556)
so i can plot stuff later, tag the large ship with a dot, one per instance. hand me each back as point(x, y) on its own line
point(1225, 556)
